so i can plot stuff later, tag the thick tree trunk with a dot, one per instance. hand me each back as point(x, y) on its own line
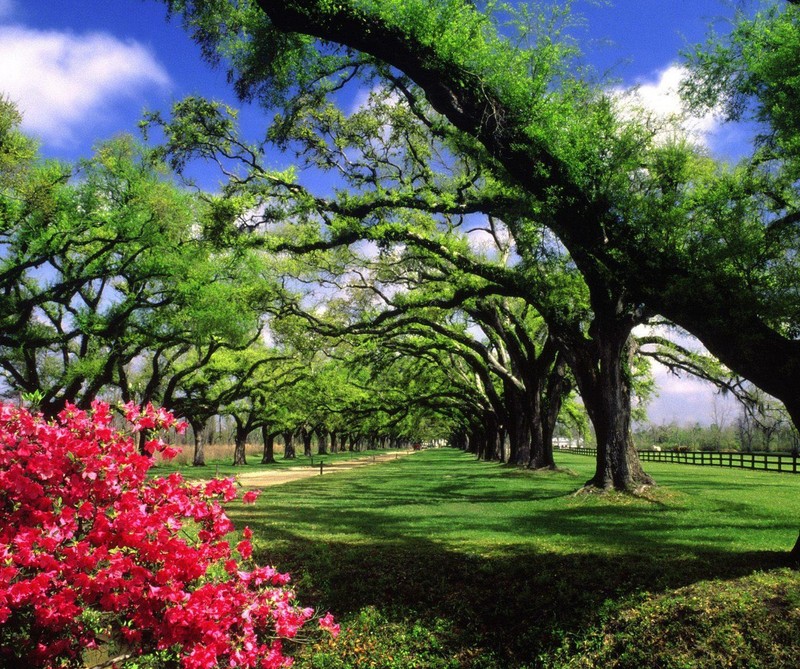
point(269, 446)
point(517, 424)
point(198, 430)
point(541, 446)
point(488, 438)
point(306, 435)
point(500, 444)
point(239, 453)
point(288, 446)
point(322, 441)
point(467, 439)
point(334, 442)
point(618, 464)
point(557, 389)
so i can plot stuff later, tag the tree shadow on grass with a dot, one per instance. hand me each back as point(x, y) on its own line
point(512, 606)
point(501, 571)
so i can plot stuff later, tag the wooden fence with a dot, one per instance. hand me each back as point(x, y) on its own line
point(771, 462)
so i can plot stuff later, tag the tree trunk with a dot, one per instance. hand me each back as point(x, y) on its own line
point(557, 388)
point(618, 464)
point(144, 437)
point(288, 446)
point(198, 430)
point(517, 425)
point(541, 447)
point(487, 438)
point(269, 446)
point(479, 441)
point(499, 444)
point(239, 454)
point(305, 435)
point(334, 443)
point(322, 441)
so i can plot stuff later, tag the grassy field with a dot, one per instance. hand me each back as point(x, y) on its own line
point(438, 561)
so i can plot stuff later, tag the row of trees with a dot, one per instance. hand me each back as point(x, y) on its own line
point(471, 245)
point(476, 118)
point(110, 287)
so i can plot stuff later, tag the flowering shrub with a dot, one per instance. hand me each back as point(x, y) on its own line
point(93, 552)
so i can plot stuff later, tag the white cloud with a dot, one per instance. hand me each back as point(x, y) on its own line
point(686, 400)
point(62, 82)
point(363, 98)
point(659, 96)
point(367, 249)
point(682, 398)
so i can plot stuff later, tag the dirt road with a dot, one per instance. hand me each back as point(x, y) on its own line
point(267, 477)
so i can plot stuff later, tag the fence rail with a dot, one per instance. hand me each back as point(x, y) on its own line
point(771, 462)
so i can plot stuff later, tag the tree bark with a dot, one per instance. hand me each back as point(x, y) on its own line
point(268, 438)
point(541, 447)
point(322, 441)
point(239, 452)
point(198, 430)
point(305, 435)
point(606, 391)
point(558, 386)
point(288, 446)
point(517, 423)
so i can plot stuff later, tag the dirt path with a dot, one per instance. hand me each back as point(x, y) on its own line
point(266, 477)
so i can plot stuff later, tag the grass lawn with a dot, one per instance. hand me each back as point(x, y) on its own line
point(436, 560)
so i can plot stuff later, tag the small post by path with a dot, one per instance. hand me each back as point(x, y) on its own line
point(321, 465)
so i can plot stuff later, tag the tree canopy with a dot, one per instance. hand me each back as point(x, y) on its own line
point(557, 142)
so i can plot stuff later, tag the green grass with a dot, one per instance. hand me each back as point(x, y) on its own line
point(439, 561)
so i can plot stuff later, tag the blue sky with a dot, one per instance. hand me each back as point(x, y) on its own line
point(83, 70)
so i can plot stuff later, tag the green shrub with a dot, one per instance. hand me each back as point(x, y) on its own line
point(748, 622)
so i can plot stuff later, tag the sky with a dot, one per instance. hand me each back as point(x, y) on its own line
point(84, 70)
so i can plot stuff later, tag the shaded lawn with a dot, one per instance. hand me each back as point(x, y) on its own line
point(496, 567)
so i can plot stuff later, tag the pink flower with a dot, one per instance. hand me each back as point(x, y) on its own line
point(250, 496)
point(82, 525)
point(245, 548)
point(329, 624)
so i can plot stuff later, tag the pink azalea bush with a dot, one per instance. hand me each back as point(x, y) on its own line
point(93, 552)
